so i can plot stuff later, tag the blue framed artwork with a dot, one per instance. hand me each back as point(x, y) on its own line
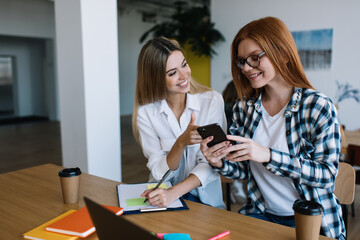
point(315, 48)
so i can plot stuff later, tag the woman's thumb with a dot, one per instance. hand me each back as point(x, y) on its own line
point(192, 120)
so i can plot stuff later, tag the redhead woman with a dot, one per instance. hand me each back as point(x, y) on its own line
point(288, 134)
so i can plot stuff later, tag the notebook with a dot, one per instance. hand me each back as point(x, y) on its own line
point(129, 197)
point(78, 223)
point(109, 226)
point(39, 233)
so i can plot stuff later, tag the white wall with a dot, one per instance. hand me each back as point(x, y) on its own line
point(32, 23)
point(131, 28)
point(342, 16)
point(35, 18)
point(27, 18)
point(29, 81)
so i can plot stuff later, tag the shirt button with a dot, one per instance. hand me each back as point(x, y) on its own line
point(287, 132)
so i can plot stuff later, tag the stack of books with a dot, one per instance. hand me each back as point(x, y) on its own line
point(70, 225)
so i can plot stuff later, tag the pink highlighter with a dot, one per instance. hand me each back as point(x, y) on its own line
point(221, 235)
point(160, 235)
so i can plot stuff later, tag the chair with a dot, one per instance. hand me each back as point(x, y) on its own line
point(345, 188)
point(227, 182)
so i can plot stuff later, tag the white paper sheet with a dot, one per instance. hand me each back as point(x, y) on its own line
point(134, 191)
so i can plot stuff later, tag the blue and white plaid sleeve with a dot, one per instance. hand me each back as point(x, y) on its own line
point(317, 162)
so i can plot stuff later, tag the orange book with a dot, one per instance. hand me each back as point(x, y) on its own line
point(39, 232)
point(78, 223)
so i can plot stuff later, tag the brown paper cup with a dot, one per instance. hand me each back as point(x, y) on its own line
point(308, 216)
point(70, 184)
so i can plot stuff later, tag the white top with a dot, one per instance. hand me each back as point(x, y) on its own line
point(279, 192)
point(158, 131)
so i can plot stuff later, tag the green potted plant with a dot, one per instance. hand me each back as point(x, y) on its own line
point(191, 27)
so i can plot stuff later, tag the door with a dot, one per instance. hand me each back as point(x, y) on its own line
point(6, 86)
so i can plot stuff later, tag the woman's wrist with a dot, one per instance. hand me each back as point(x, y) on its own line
point(218, 164)
point(180, 143)
point(174, 193)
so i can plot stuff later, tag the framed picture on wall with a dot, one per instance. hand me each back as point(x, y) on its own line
point(315, 48)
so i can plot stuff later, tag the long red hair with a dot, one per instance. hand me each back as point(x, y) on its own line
point(276, 40)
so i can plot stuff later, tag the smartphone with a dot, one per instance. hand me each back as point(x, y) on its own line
point(212, 130)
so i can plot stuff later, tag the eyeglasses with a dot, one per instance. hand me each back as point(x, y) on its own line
point(253, 61)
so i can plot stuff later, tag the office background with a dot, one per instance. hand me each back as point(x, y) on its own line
point(47, 85)
point(55, 84)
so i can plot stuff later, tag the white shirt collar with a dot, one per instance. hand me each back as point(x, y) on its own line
point(192, 102)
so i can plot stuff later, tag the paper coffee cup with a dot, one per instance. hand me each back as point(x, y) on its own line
point(70, 184)
point(308, 216)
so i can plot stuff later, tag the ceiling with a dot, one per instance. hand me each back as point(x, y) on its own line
point(164, 8)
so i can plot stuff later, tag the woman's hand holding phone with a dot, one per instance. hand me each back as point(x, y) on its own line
point(215, 153)
point(214, 140)
point(247, 150)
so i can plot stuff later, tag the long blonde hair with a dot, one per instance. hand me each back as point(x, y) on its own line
point(151, 75)
point(276, 40)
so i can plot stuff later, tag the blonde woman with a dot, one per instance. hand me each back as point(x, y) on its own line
point(169, 106)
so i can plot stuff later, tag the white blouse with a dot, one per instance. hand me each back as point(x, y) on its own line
point(158, 131)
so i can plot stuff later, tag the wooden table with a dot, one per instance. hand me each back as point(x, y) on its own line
point(32, 196)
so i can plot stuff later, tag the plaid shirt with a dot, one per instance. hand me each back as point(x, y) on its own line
point(313, 138)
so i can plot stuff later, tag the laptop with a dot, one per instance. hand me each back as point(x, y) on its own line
point(109, 226)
